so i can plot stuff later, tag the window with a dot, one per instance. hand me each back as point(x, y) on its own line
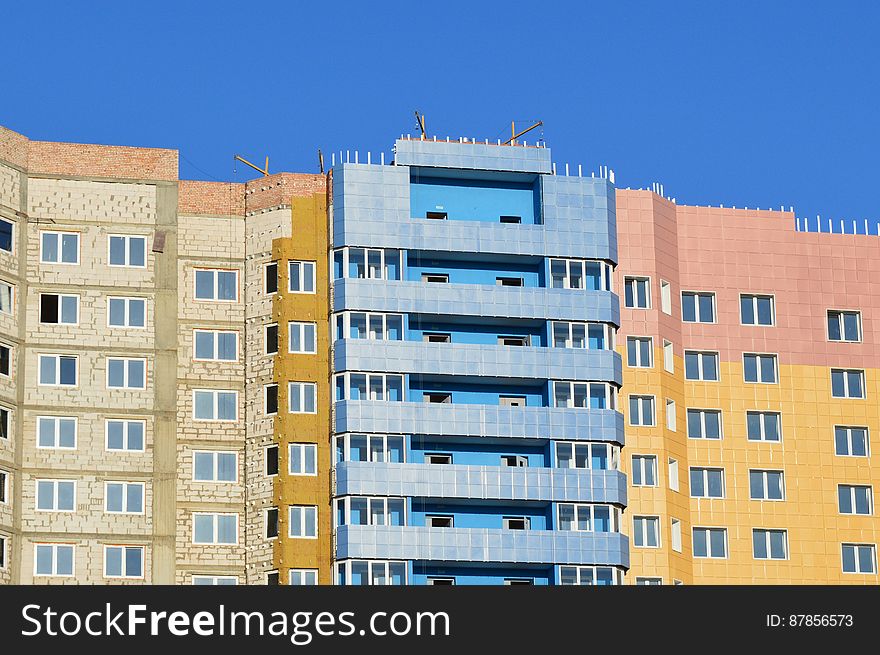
point(589, 275)
point(216, 284)
point(126, 312)
point(303, 521)
point(58, 370)
point(301, 398)
point(769, 544)
point(369, 386)
point(519, 581)
point(641, 410)
point(369, 448)
point(53, 559)
point(436, 216)
point(513, 341)
point(649, 582)
point(646, 531)
point(670, 415)
point(433, 581)
point(124, 497)
point(56, 432)
point(56, 495)
point(2, 552)
point(851, 442)
point(859, 558)
point(665, 297)
point(438, 458)
point(756, 310)
point(5, 422)
point(439, 521)
point(847, 383)
point(59, 247)
point(675, 535)
point(512, 401)
point(124, 434)
point(369, 263)
point(301, 277)
point(672, 473)
point(710, 543)
point(438, 278)
point(587, 395)
point(707, 482)
point(59, 308)
point(213, 405)
point(6, 228)
point(704, 423)
point(123, 562)
point(515, 523)
point(668, 357)
point(697, 307)
point(302, 459)
point(7, 297)
point(215, 466)
point(270, 339)
point(364, 325)
point(588, 518)
point(759, 368)
point(590, 575)
point(126, 373)
point(844, 325)
point(270, 458)
point(592, 336)
point(127, 250)
point(215, 345)
point(701, 366)
point(272, 578)
point(640, 352)
point(766, 485)
point(214, 580)
point(271, 522)
point(509, 281)
point(854, 499)
point(764, 426)
point(301, 337)
point(515, 461)
point(4, 487)
point(220, 529)
point(513, 220)
point(270, 399)
point(270, 278)
point(302, 577)
point(370, 572)
point(637, 292)
point(5, 360)
point(644, 471)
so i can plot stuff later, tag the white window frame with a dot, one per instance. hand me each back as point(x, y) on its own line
point(704, 473)
point(5, 417)
point(873, 548)
point(645, 520)
point(302, 447)
point(672, 473)
point(124, 574)
point(709, 553)
point(608, 334)
point(638, 278)
point(698, 318)
point(765, 484)
point(56, 420)
point(4, 486)
point(675, 534)
point(61, 297)
point(55, 548)
point(300, 326)
point(701, 355)
point(703, 412)
point(55, 485)
point(849, 440)
point(126, 382)
point(754, 297)
point(344, 503)
point(346, 377)
point(302, 264)
point(763, 436)
point(126, 423)
point(127, 324)
point(266, 450)
point(345, 439)
point(767, 532)
point(215, 521)
point(642, 461)
point(638, 352)
point(216, 395)
point(852, 499)
point(214, 579)
point(214, 335)
point(266, 343)
point(640, 405)
point(127, 239)
point(215, 465)
point(300, 389)
point(60, 234)
point(57, 357)
point(266, 388)
point(668, 357)
point(216, 272)
point(266, 278)
point(846, 389)
point(303, 522)
point(126, 485)
point(11, 290)
point(10, 350)
point(671, 415)
point(605, 273)
point(609, 389)
point(759, 368)
point(344, 318)
point(840, 313)
point(304, 575)
point(12, 235)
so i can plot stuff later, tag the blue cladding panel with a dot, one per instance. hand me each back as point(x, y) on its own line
point(473, 200)
point(479, 420)
point(480, 482)
point(472, 156)
point(481, 545)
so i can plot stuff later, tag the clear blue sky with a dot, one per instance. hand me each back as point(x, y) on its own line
point(743, 103)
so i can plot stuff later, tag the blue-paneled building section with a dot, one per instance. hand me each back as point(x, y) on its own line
point(476, 422)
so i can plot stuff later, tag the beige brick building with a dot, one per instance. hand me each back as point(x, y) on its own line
point(133, 360)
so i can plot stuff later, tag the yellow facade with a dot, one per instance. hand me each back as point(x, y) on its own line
point(806, 454)
point(309, 242)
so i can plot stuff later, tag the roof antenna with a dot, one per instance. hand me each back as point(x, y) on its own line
point(420, 123)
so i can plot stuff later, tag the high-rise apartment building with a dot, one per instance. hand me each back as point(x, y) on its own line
point(410, 373)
